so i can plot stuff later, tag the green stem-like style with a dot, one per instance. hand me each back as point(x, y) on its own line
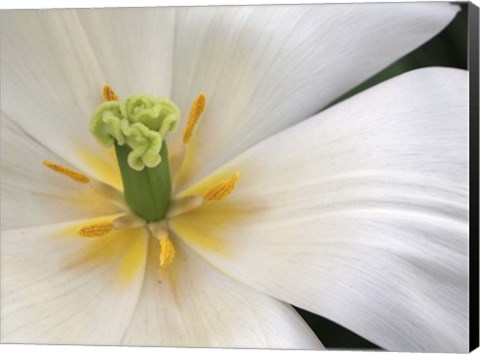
point(147, 192)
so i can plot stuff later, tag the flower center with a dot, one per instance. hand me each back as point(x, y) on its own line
point(136, 127)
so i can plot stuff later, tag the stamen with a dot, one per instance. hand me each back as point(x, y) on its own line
point(184, 205)
point(108, 94)
point(102, 188)
point(167, 251)
point(128, 222)
point(158, 229)
point(95, 230)
point(109, 192)
point(76, 176)
point(196, 111)
point(221, 190)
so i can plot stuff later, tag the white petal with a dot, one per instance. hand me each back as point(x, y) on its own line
point(134, 47)
point(264, 68)
point(35, 195)
point(55, 63)
point(359, 214)
point(192, 304)
point(63, 289)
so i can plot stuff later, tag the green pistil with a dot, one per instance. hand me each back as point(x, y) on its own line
point(147, 192)
point(137, 127)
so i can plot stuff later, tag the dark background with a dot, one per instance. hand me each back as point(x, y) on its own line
point(448, 48)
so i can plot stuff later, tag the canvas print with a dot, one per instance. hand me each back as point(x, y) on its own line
point(236, 176)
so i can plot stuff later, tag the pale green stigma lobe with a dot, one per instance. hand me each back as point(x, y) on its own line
point(141, 122)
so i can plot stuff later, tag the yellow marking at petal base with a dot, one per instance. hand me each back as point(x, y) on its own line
point(81, 202)
point(76, 176)
point(125, 249)
point(67, 232)
point(167, 251)
point(108, 94)
point(105, 165)
point(222, 189)
point(196, 111)
point(206, 226)
point(135, 255)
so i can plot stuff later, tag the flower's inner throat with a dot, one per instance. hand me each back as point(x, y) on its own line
point(136, 127)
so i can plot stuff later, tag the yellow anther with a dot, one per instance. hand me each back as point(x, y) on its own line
point(76, 176)
point(108, 94)
point(196, 111)
point(167, 251)
point(221, 190)
point(95, 230)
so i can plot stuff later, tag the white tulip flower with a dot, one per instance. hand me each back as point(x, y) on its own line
point(358, 213)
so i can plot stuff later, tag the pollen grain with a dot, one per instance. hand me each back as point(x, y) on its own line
point(196, 111)
point(108, 94)
point(76, 176)
point(222, 189)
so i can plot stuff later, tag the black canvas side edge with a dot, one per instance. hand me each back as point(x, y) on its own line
point(473, 14)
